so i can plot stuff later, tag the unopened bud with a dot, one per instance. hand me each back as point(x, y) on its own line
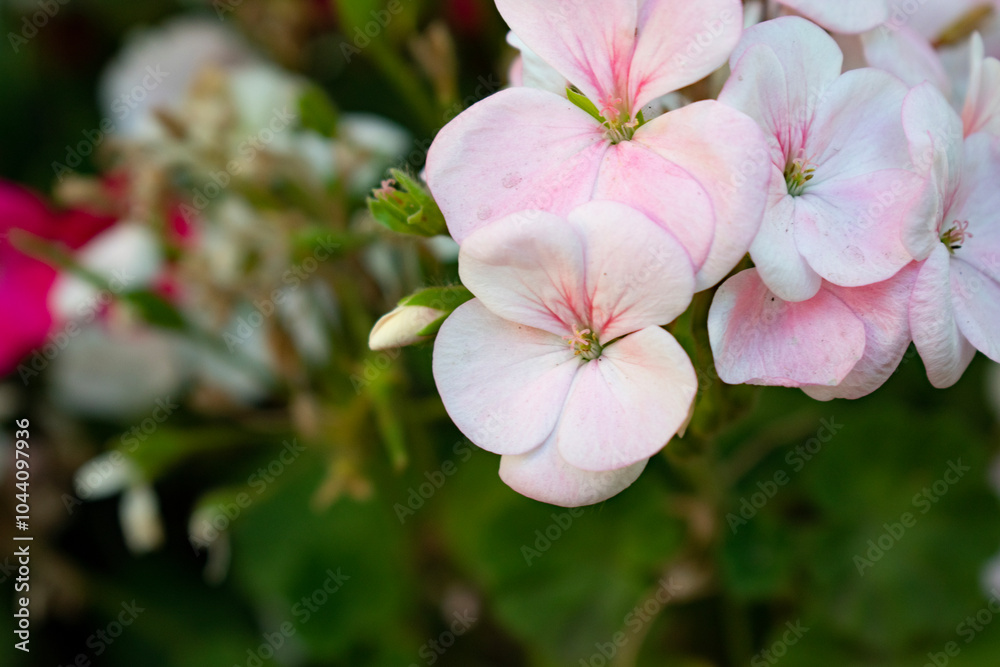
point(406, 206)
point(402, 327)
point(417, 318)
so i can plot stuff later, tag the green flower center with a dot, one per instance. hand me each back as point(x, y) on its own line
point(798, 173)
point(956, 237)
point(584, 344)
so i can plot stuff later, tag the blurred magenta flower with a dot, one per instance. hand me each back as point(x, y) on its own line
point(25, 281)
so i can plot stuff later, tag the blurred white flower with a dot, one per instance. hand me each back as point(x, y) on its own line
point(175, 52)
point(244, 367)
point(203, 534)
point(367, 145)
point(260, 90)
point(105, 475)
point(139, 514)
point(117, 371)
point(127, 256)
point(138, 510)
point(305, 323)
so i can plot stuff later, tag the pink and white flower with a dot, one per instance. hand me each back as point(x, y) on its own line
point(561, 365)
point(843, 186)
point(845, 342)
point(697, 171)
point(955, 307)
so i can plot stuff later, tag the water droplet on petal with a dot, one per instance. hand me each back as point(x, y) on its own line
point(512, 180)
point(855, 254)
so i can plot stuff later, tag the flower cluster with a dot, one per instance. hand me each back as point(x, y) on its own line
point(628, 168)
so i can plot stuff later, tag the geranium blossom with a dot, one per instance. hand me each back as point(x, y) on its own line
point(698, 171)
point(843, 185)
point(844, 342)
point(955, 307)
point(560, 364)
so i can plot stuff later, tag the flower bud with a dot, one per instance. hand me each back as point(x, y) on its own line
point(402, 327)
point(417, 317)
point(408, 208)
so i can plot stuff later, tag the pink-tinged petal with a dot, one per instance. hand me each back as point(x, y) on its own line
point(634, 174)
point(529, 268)
point(517, 150)
point(884, 310)
point(636, 275)
point(608, 268)
point(934, 131)
point(857, 128)
point(765, 100)
point(851, 231)
point(906, 54)
point(503, 384)
point(976, 298)
point(945, 351)
point(781, 71)
point(728, 154)
point(759, 339)
point(977, 202)
point(625, 406)
point(544, 475)
point(982, 103)
point(846, 16)
point(531, 71)
point(775, 254)
point(590, 42)
point(681, 42)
